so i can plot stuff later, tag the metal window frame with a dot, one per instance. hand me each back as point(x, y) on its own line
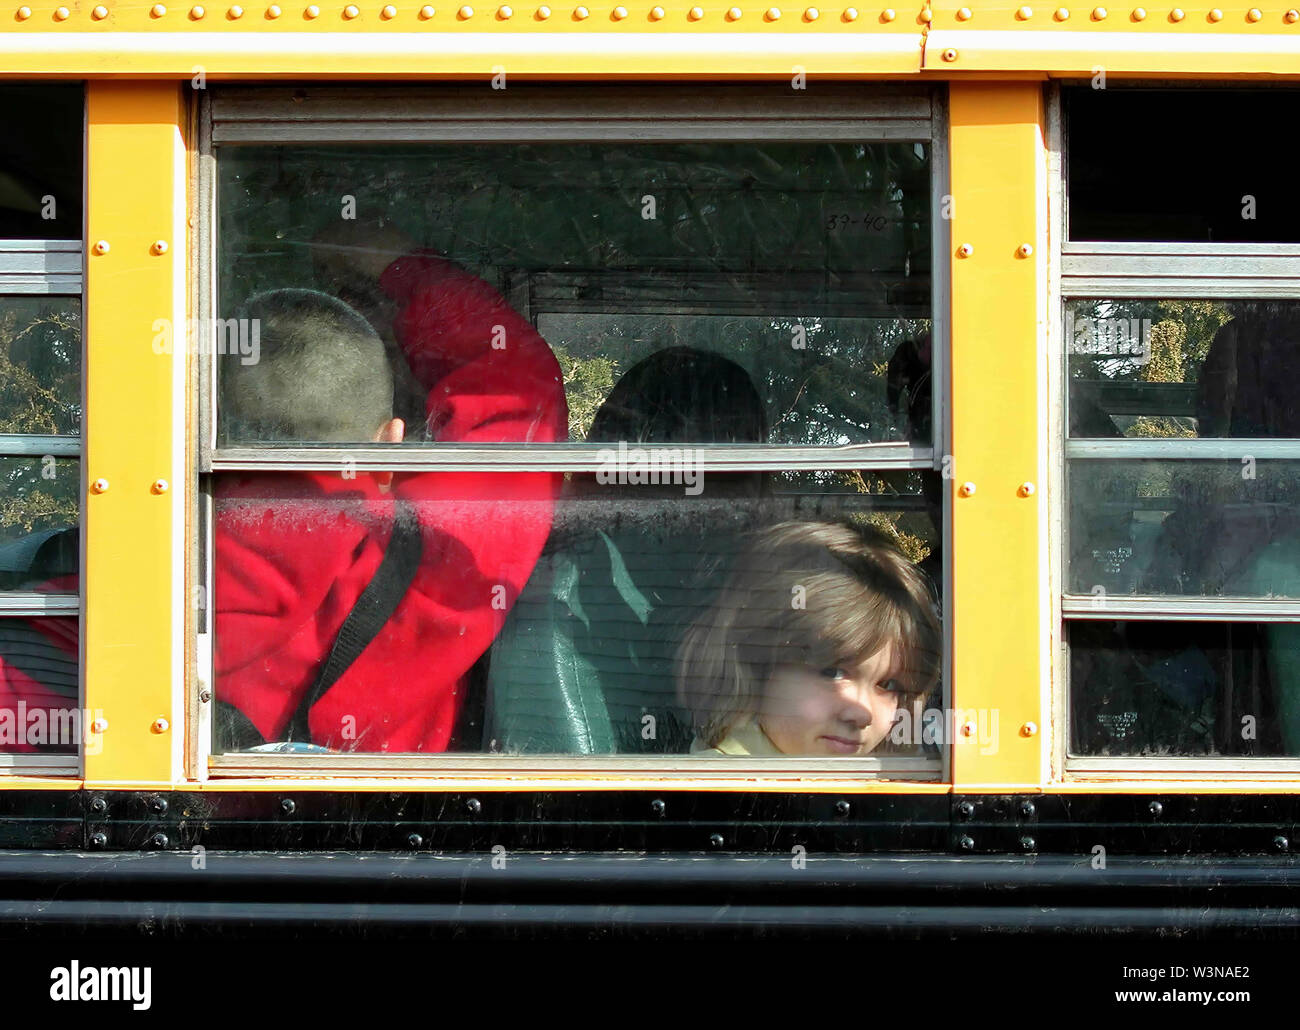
point(852, 112)
point(1155, 271)
point(50, 268)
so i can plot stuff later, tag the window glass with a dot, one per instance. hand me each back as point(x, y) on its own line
point(39, 514)
point(39, 706)
point(580, 613)
point(806, 265)
point(1178, 369)
point(1185, 688)
point(1145, 164)
point(40, 365)
point(40, 163)
point(1227, 527)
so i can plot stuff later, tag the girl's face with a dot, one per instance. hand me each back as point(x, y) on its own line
point(832, 711)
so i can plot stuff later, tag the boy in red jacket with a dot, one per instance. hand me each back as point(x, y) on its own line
point(295, 552)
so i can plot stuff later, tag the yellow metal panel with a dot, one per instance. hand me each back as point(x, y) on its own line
point(998, 382)
point(134, 429)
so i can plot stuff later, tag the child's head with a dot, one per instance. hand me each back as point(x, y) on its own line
point(321, 373)
point(822, 633)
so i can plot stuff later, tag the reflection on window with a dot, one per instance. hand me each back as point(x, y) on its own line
point(1185, 688)
point(40, 365)
point(808, 265)
point(39, 706)
point(540, 613)
point(40, 163)
point(1178, 369)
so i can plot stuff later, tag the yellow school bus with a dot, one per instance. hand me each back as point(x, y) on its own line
point(715, 337)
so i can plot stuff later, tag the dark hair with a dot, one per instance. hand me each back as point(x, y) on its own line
point(319, 372)
point(682, 395)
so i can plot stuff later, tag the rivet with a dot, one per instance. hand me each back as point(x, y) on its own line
point(465, 13)
point(159, 246)
point(1027, 844)
point(1216, 14)
point(99, 486)
point(963, 14)
point(351, 11)
point(61, 14)
point(99, 13)
point(1025, 13)
point(966, 489)
point(1292, 16)
point(1029, 729)
point(926, 16)
point(158, 805)
point(965, 250)
point(773, 14)
point(967, 844)
point(98, 839)
point(1025, 250)
point(968, 729)
point(100, 725)
point(426, 12)
point(388, 13)
point(158, 840)
point(24, 13)
point(273, 11)
point(1139, 14)
point(415, 841)
point(287, 806)
point(205, 695)
point(1254, 14)
point(966, 809)
point(159, 486)
point(658, 808)
point(842, 808)
point(716, 840)
point(950, 54)
point(1099, 14)
point(1026, 489)
point(101, 247)
point(657, 14)
point(1062, 14)
point(197, 12)
point(474, 806)
point(1027, 809)
point(620, 13)
point(99, 806)
point(235, 13)
point(1155, 808)
point(851, 14)
point(505, 11)
point(313, 11)
point(695, 13)
point(734, 13)
point(1176, 14)
point(161, 725)
point(812, 14)
point(1280, 843)
point(543, 13)
point(581, 13)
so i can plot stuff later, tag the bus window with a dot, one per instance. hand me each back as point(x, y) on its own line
point(547, 417)
point(1140, 168)
point(1182, 580)
point(40, 421)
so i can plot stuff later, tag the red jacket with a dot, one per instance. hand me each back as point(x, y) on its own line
point(294, 552)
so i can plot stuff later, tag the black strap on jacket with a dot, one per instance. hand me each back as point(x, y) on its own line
point(373, 608)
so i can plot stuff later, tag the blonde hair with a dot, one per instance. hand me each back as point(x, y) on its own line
point(812, 593)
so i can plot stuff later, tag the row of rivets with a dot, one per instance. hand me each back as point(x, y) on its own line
point(351, 11)
point(1139, 14)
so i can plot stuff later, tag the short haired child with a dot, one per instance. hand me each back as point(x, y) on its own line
point(823, 633)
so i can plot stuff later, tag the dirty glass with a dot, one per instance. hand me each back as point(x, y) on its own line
point(41, 161)
point(653, 270)
point(1170, 688)
point(40, 365)
point(1181, 369)
point(1189, 527)
point(547, 613)
point(1145, 165)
